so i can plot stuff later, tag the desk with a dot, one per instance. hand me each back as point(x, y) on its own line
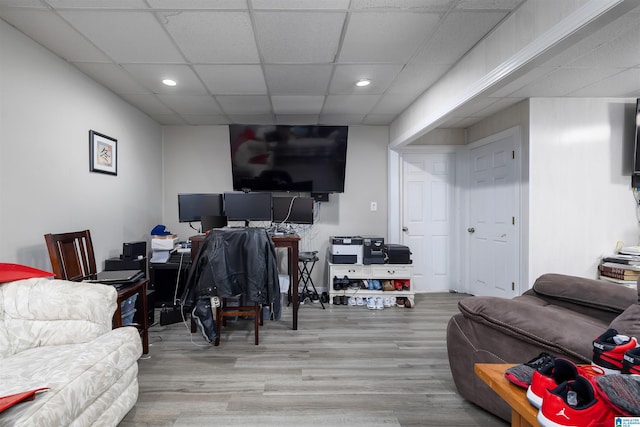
point(164, 276)
point(523, 414)
point(288, 241)
point(139, 288)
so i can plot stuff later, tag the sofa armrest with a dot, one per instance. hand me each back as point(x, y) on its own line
point(41, 312)
point(598, 298)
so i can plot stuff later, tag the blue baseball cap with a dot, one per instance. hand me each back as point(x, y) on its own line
point(160, 230)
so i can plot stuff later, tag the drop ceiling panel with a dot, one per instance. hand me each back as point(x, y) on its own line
point(625, 84)
point(297, 104)
point(341, 119)
point(298, 79)
point(191, 105)
point(251, 119)
point(298, 37)
point(233, 79)
point(393, 103)
point(150, 104)
point(297, 119)
point(112, 76)
point(253, 105)
point(300, 4)
point(416, 78)
point(132, 37)
point(151, 76)
point(98, 4)
point(213, 37)
point(386, 37)
point(414, 5)
point(345, 78)
point(563, 81)
point(198, 4)
point(457, 34)
point(209, 120)
point(350, 104)
point(54, 33)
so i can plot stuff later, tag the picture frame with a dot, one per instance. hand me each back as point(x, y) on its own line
point(103, 153)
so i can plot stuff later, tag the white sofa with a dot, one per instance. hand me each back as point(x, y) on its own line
point(58, 334)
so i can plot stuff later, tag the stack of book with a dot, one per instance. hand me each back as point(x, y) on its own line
point(622, 268)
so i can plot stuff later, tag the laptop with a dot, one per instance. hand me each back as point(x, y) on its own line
point(118, 278)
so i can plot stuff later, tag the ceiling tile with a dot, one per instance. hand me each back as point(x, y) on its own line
point(169, 119)
point(298, 37)
point(341, 119)
point(386, 37)
point(54, 34)
point(416, 78)
point(413, 5)
point(297, 119)
point(563, 81)
point(625, 84)
point(98, 4)
point(251, 119)
point(299, 4)
point(298, 79)
point(458, 33)
point(147, 103)
point(297, 104)
point(345, 78)
point(198, 4)
point(213, 37)
point(233, 79)
point(349, 104)
point(393, 103)
point(253, 105)
point(31, 4)
point(112, 76)
point(191, 104)
point(378, 119)
point(132, 37)
point(151, 76)
point(492, 4)
point(210, 120)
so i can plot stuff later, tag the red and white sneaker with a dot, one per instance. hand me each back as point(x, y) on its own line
point(631, 362)
point(574, 404)
point(550, 376)
point(609, 349)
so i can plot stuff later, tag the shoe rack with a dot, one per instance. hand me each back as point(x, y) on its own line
point(370, 272)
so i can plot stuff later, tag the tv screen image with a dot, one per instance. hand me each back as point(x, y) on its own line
point(247, 206)
point(294, 210)
point(193, 206)
point(288, 158)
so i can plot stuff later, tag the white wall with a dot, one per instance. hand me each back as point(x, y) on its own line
point(47, 108)
point(197, 159)
point(581, 201)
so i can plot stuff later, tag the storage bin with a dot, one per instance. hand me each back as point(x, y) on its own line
point(127, 317)
point(129, 303)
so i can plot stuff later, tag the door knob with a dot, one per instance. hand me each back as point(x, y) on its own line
point(471, 230)
point(405, 229)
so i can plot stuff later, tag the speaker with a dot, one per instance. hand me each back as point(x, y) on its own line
point(134, 250)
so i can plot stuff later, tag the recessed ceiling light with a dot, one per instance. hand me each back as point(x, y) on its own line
point(169, 82)
point(363, 82)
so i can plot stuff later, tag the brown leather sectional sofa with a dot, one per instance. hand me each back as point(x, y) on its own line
point(560, 315)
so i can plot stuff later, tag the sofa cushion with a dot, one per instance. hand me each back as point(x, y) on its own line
point(628, 323)
point(78, 375)
point(532, 320)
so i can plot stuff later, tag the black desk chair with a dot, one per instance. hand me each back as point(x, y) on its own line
point(306, 262)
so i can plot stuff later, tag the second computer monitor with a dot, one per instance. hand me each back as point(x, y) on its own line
point(295, 210)
point(247, 206)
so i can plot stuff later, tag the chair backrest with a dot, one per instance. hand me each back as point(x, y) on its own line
point(71, 255)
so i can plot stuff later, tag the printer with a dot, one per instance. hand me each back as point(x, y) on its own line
point(396, 254)
point(346, 249)
point(372, 250)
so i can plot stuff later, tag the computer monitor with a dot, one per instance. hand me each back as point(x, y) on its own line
point(239, 206)
point(193, 206)
point(209, 222)
point(294, 210)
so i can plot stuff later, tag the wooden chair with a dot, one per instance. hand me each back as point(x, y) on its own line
point(72, 258)
point(71, 255)
point(225, 310)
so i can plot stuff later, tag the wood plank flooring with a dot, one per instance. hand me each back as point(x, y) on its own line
point(345, 366)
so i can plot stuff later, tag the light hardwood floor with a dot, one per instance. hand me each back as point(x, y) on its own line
point(344, 366)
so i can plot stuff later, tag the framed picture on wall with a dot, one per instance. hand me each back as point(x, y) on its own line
point(103, 153)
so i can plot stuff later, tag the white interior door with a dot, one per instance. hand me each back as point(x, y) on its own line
point(428, 186)
point(493, 229)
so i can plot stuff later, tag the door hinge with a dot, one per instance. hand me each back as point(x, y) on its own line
point(513, 220)
point(513, 286)
point(513, 154)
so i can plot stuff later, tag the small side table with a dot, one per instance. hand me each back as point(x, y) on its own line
point(523, 414)
point(139, 288)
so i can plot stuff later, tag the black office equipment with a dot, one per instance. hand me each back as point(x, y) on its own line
point(294, 210)
point(191, 207)
point(134, 250)
point(118, 277)
point(397, 254)
point(208, 222)
point(241, 206)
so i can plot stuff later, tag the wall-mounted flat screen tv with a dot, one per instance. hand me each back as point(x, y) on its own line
point(288, 158)
point(193, 206)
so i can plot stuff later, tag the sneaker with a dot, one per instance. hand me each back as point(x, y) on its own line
point(324, 298)
point(379, 303)
point(337, 300)
point(371, 303)
point(609, 349)
point(359, 301)
point(315, 298)
point(387, 302)
point(408, 303)
point(520, 375)
point(631, 362)
point(393, 301)
point(400, 301)
point(352, 301)
point(620, 391)
point(574, 403)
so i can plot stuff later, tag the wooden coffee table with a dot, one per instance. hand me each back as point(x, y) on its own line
point(523, 414)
